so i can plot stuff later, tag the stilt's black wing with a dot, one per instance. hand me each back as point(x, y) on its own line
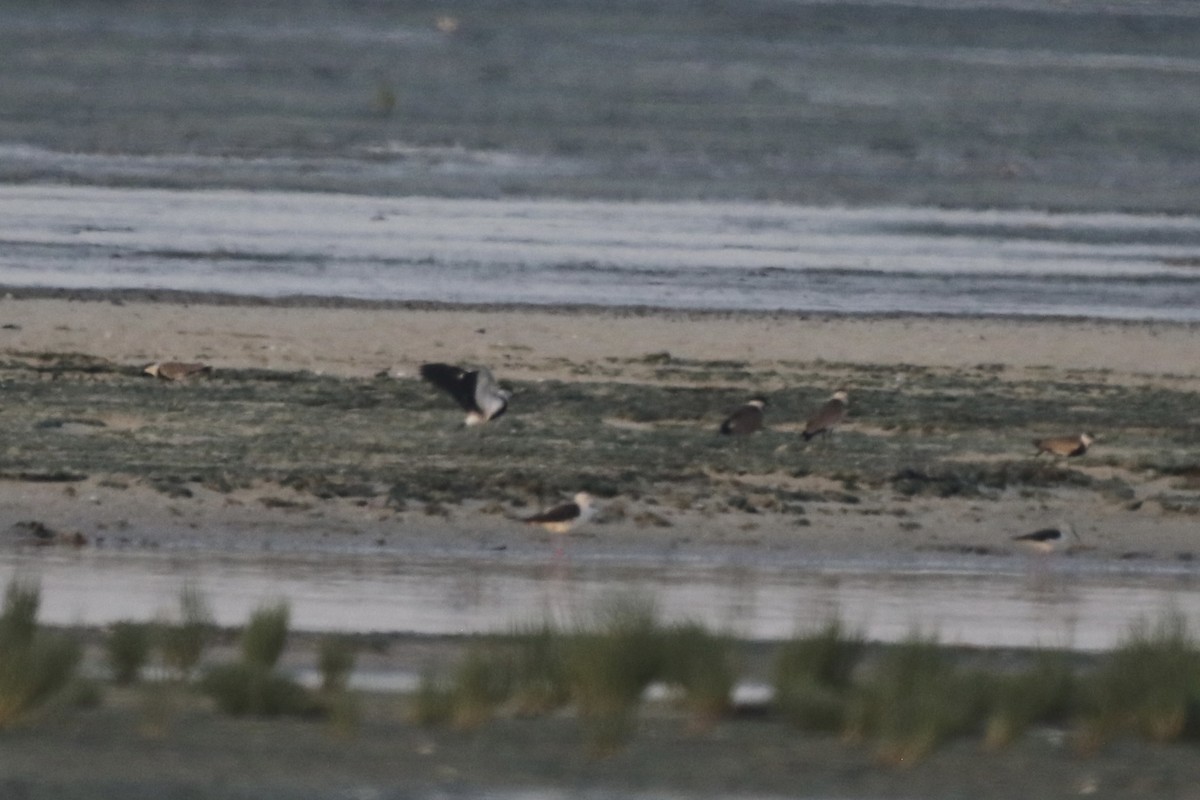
point(562, 513)
point(455, 381)
point(1043, 535)
point(743, 421)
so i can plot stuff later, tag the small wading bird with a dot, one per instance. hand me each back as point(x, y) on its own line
point(562, 518)
point(1047, 540)
point(745, 419)
point(475, 390)
point(828, 416)
point(1066, 446)
point(176, 370)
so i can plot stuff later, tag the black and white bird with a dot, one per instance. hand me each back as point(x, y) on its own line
point(563, 518)
point(475, 390)
point(1065, 446)
point(828, 416)
point(1047, 540)
point(176, 370)
point(745, 419)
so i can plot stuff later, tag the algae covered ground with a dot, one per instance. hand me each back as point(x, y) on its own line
point(640, 434)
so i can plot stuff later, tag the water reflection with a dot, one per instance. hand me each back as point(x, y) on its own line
point(1044, 606)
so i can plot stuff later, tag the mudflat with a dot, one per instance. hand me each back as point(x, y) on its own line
point(314, 420)
point(313, 432)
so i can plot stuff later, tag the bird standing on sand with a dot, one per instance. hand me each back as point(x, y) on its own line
point(828, 416)
point(1047, 540)
point(1066, 446)
point(475, 390)
point(176, 370)
point(563, 518)
point(745, 419)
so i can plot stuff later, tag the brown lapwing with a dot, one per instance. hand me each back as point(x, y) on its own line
point(828, 416)
point(1065, 446)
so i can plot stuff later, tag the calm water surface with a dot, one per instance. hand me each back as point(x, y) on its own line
point(1025, 602)
point(733, 256)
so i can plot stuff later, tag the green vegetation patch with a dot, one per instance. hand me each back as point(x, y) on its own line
point(942, 433)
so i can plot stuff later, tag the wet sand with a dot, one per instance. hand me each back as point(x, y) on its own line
point(199, 755)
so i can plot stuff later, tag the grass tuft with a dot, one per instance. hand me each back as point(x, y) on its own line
point(246, 688)
point(34, 666)
point(18, 621)
point(610, 662)
point(265, 636)
point(482, 681)
point(701, 663)
point(812, 677)
point(127, 649)
point(539, 679)
point(911, 701)
point(1148, 685)
point(183, 642)
point(432, 704)
point(344, 711)
point(335, 661)
point(1043, 693)
point(252, 686)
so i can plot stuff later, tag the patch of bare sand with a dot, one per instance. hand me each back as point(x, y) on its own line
point(553, 343)
point(108, 512)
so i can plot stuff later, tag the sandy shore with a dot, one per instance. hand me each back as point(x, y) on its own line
point(1144, 517)
point(356, 341)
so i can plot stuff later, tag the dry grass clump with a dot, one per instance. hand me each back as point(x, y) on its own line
point(812, 677)
point(1149, 685)
point(253, 686)
point(127, 649)
point(610, 662)
point(433, 702)
point(336, 655)
point(335, 661)
point(1044, 693)
point(539, 680)
point(601, 667)
point(481, 682)
point(34, 665)
point(183, 642)
point(487, 677)
point(904, 700)
point(265, 636)
point(701, 664)
point(912, 700)
point(244, 689)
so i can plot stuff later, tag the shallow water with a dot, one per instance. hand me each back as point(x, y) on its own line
point(1024, 602)
point(734, 256)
